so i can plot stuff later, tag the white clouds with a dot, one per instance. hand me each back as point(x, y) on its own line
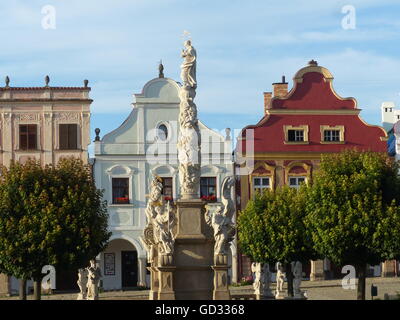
point(243, 47)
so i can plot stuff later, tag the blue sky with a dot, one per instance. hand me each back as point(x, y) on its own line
point(243, 47)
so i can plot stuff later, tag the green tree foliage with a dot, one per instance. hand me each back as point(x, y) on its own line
point(353, 210)
point(271, 229)
point(51, 215)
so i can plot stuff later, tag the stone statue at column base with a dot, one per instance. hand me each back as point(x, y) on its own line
point(82, 284)
point(94, 276)
point(297, 271)
point(280, 280)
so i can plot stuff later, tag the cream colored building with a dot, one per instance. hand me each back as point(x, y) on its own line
point(43, 123)
point(125, 160)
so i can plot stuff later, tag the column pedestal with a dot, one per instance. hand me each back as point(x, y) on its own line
point(221, 290)
point(389, 268)
point(193, 254)
point(317, 270)
point(166, 278)
point(154, 283)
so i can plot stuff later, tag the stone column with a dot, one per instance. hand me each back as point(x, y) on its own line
point(317, 270)
point(142, 271)
point(154, 283)
point(8, 137)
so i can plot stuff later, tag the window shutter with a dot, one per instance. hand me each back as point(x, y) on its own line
point(63, 132)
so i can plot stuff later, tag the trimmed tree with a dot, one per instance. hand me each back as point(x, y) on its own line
point(271, 229)
point(353, 210)
point(51, 215)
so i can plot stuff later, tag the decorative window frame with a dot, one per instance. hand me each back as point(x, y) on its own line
point(327, 127)
point(171, 173)
point(67, 118)
point(171, 132)
point(24, 119)
point(212, 171)
point(271, 175)
point(305, 129)
point(129, 172)
point(291, 165)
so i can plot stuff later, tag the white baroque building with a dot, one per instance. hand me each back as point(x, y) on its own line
point(126, 159)
point(390, 115)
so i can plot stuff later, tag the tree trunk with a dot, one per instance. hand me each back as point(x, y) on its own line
point(22, 289)
point(37, 290)
point(362, 272)
point(289, 277)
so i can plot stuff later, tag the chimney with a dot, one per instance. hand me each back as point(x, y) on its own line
point(267, 101)
point(280, 88)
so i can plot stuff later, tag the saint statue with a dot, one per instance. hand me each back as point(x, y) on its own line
point(188, 73)
point(82, 283)
point(297, 271)
point(280, 280)
point(94, 276)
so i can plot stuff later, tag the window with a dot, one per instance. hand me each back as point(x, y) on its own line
point(260, 183)
point(295, 135)
point(162, 132)
point(208, 188)
point(168, 191)
point(331, 135)
point(120, 190)
point(68, 136)
point(28, 136)
point(294, 182)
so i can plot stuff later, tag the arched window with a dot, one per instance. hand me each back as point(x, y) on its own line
point(162, 132)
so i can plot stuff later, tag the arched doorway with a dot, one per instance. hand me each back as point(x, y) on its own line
point(119, 263)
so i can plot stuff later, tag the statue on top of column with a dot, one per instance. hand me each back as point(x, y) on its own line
point(188, 73)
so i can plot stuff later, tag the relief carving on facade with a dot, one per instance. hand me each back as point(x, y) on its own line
point(67, 116)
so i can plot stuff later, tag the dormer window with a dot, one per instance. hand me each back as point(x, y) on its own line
point(332, 134)
point(296, 134)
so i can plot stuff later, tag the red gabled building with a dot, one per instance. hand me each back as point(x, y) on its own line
point(285, 147)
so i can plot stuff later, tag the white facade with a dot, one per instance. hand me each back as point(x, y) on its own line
point(390, 115)
point(143, 145)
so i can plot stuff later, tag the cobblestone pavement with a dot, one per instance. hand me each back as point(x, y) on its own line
point(316, 290)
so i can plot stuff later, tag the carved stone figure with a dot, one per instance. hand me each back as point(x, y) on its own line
point(188, 73)
point(82, 283)
point(266, 279)
point(94, 276)
point(189, 155)
point(161, 221)
point(262, 280)
point(280, 280)
point(297, 271)
point(256, 268)
point(219, 217)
